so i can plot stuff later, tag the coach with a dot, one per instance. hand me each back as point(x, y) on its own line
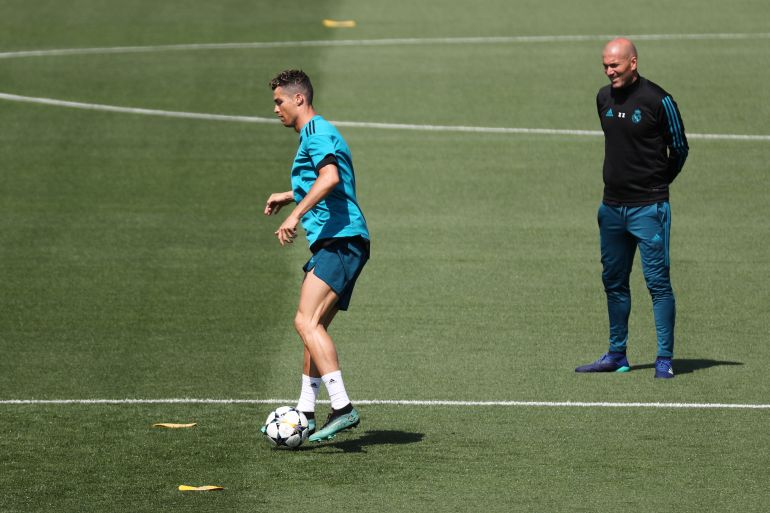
point(644, 150)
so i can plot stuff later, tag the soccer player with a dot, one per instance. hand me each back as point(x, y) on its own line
point(644, 150)
point(324, 187)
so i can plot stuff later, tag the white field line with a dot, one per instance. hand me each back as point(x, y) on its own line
point(133, 110)
point(531, 404)
point(381, 42)
point(345, 124)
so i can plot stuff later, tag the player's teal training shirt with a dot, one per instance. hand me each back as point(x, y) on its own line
point(338, 214)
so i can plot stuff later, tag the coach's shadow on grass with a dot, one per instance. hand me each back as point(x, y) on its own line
point(357, 443)
point(689, 365)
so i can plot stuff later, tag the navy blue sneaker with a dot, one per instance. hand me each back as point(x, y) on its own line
point(609, 362)
point(663, 368)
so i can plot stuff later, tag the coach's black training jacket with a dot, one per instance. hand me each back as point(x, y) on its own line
point(644, 143)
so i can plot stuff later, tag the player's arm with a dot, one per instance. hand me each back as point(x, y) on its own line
point(673, 134)
point(328, 178)
point(278, 200)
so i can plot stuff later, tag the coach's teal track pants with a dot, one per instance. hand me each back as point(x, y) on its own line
point(621, 231)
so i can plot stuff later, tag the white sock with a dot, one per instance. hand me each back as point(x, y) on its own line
point(336, 389)
point(308, 393)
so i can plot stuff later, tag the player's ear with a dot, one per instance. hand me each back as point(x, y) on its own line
point(299, 99)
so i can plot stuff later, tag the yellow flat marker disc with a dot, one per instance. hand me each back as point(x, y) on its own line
point(207, 488)
point(174, 426)
point(339, 23)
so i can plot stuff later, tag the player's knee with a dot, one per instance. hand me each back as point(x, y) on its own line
point(304, 325)
point(300, 324)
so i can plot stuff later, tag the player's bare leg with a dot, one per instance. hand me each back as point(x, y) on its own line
point(311, 380)
point(316, 311)
point(309, 367)
point(316, 303)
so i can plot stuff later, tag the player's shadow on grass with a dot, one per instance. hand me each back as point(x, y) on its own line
point(689, 365)
point(358, 443)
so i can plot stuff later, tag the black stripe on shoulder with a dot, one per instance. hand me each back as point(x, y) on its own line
point(329, 159)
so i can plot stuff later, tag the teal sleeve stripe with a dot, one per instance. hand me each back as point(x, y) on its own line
point(668, 118)
point(674, 124)
point(671, 119)
point(675, 127)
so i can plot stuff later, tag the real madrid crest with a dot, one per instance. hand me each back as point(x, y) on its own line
point(636, 117)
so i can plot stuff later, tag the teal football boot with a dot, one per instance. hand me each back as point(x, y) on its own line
point(336, 422)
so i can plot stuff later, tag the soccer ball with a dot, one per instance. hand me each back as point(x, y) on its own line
point(286, 427)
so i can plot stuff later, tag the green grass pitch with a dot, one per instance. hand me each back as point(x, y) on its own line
point(135, 261)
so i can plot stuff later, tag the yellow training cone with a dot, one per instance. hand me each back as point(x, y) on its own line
point(207, 488)
point(339, 23)
point(174, 426)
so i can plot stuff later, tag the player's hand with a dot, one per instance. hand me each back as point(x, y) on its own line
point(287, 232)
point(276, 201)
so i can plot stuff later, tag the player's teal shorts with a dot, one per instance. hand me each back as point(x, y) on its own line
point(338, 262)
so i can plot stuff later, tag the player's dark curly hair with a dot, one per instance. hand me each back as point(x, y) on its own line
point(295, 79)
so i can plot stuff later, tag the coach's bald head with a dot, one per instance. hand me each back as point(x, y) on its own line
point(619, 58)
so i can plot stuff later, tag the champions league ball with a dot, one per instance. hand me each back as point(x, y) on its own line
point(286, 427)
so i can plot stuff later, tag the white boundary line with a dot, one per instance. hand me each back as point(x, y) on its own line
point(348, 124)
point(547, 404)
point(381, 42)
point(132, 110)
